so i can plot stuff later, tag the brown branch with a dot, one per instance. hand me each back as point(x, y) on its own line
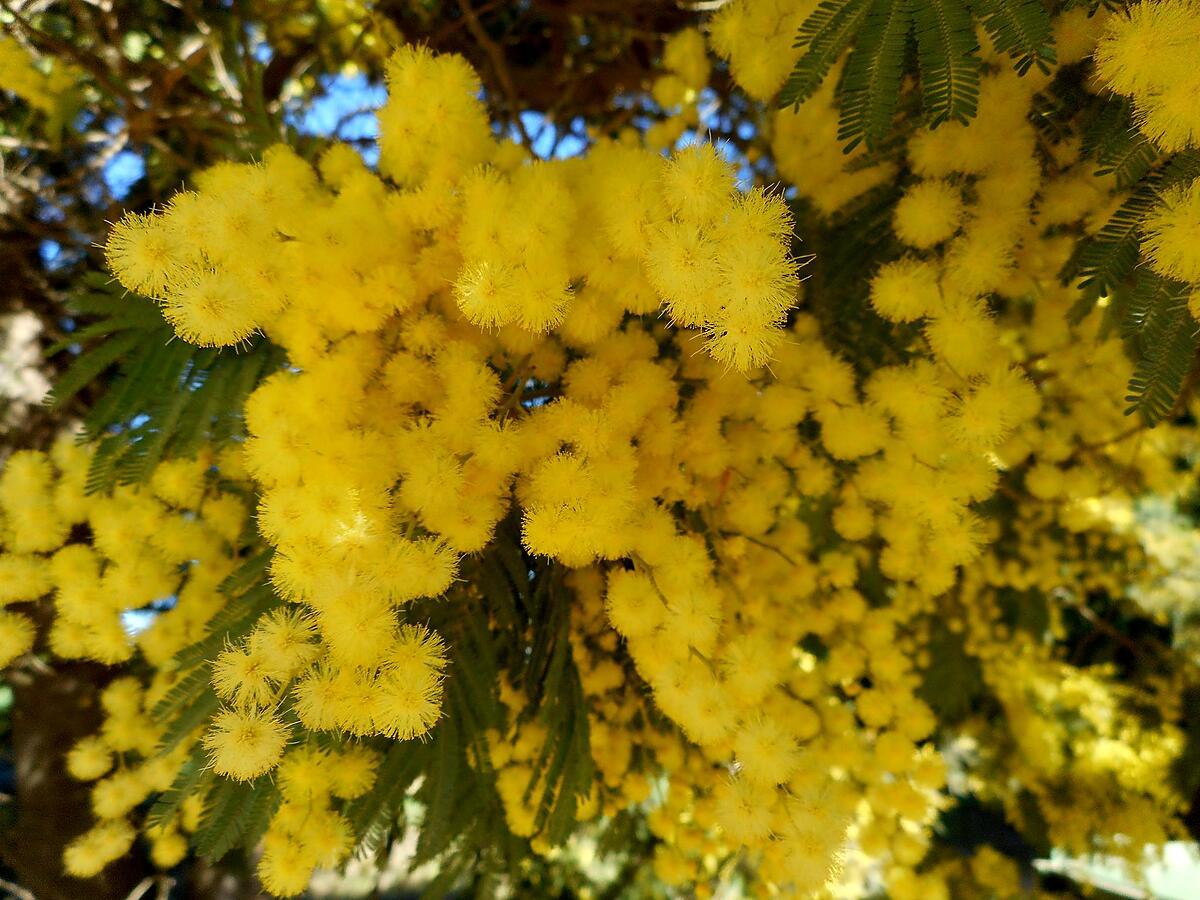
point(499, 66)
point(61, 48)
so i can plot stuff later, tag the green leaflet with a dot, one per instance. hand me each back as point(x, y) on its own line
point(823, 35)
point(1020, 28)
point(954, 680)
point(1164, 334)
point(165, 398)
point(373, 815)
point(947, 61)
point(870, 88)
point(193, 778)
point(235, 815)
point(1118, 147)
point(230, 624)
point(1107, 259)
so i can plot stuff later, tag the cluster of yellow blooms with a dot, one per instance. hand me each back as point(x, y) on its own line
point(1150, 57)
point(168, 542)
point(173, 538)
point(764, 543)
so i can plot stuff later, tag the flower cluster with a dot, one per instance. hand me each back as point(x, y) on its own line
point(775, 550)
point(1149, 55)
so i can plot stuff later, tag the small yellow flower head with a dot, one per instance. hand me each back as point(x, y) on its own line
point(180, 482)
point(304, 774)
point(766, 751)
point(117, 795)
point(1170, 117)
point(686, 55)
point(144, 256)
point(209, 308)
point(409, 702)
point(168, 850)
point(698, 184)
point(433, 113)
point(353, 772)
point(283, 639)
point(243, 677)
point(87, 855)
point(744, 810)
point(16, 636)
point(416, 647)
point(327, 835)
point(89, 759)
point(320, 698)
point(905, 290)
point(1172, 233)
point(633, 604)
point(244, 745)
point(928, 213)
point(963, 334)
point(285, 867)
point(23, 577)
point(1149, 47)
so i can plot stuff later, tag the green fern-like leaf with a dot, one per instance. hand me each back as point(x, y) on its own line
point(193, 778)
point(184, 692)
point(1110, 256)
point(1164, 333)
point(823, 35)
point(1020, 28)
point(870, 88)
point(441, 793)
point(190, 717)
point(165, 397)
point(947, 60)
point(233, 813)
point(230, 624)
point(953, 682)
point(1116, 144)
point(373, 815)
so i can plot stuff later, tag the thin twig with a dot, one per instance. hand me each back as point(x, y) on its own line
point(62, 48)
point(500, 66)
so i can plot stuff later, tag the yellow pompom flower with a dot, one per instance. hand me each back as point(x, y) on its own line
point(285, 867)
point(244, 745)
point(353, 772)
point(928, 213)
point(766, 751)
point(1172, 233)
point(963, 334)
point(207, 307)
point(744, 810)
point(89, 759)
point(244, 677)
point(88, 854)
point(23, 577)
point(1150, 46)
point(168, 850)
point(408, 701)
point(16, 636)
point(145, 257)
point(905, 290)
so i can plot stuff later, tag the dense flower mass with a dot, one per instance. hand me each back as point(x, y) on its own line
point(779, 559)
